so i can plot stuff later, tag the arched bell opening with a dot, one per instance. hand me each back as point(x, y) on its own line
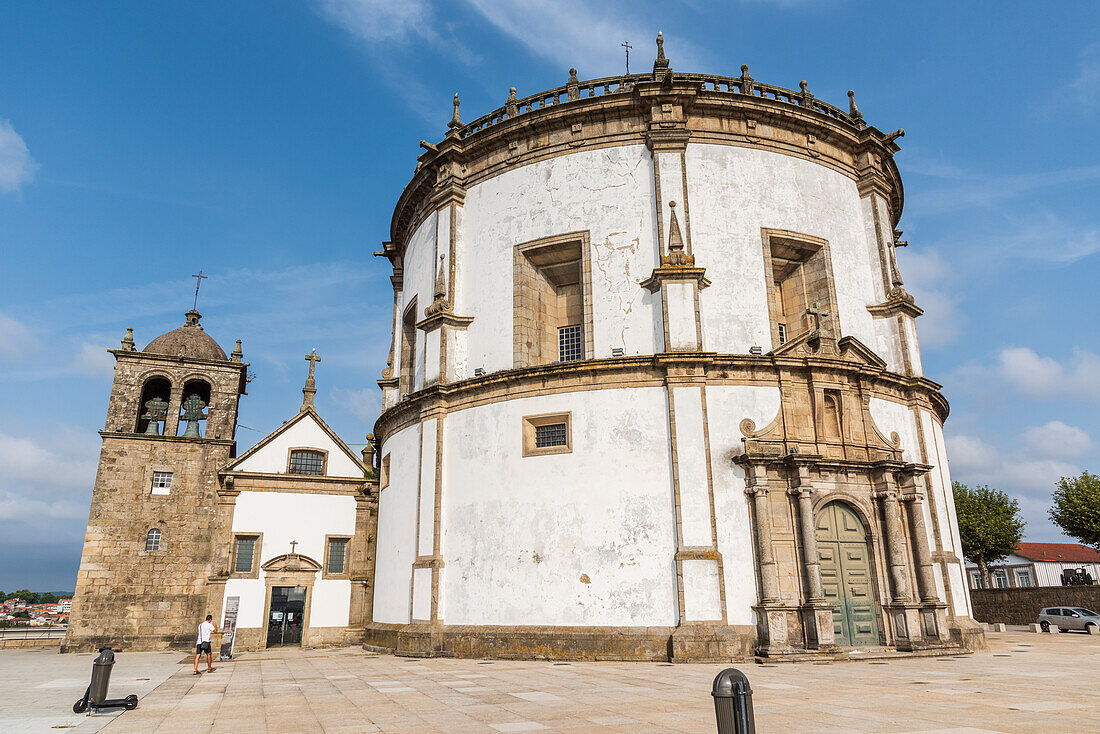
point(193, 415)
point(848, 574)
point(153, 407)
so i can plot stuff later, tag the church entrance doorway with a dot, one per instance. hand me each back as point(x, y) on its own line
point(287, 614)
point(846, 574)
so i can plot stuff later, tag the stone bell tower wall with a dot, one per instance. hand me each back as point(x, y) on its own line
point(128, 597)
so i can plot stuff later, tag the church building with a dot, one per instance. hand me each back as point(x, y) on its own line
point(654, 393)
point(274, 542)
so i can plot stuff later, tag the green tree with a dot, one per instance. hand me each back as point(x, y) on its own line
point(1077, 508)
point(990, 525)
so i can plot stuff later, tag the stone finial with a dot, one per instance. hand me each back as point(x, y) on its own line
point(237, 353)
point(511, 107)
point(455, 122)
point(191, 318)
point(660, 63)
point(807, 95)
point(853, 111)
point(439, 302)
point(747, 84)
point(676, 257)
point(573, 87)
point(309, 390)
point(368, 453)
point(128, 340)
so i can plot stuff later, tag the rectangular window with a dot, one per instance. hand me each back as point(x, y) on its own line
point(782, 334)
point(307, 462)
point(244, 555)
point(337, 548)
point(162, 482)
point(551, 433)
point(975, 580)
point(570, 343)
point(800, 285)
point(1023, 579)
point(1000, 579)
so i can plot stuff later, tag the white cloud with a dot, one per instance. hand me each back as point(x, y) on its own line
point(14, 507)
point(586, 35)
point(24, 461)
point(380, 20)
point(94, 360)
point(1040, 376)
point(17, 167)
point(970, 454)
point(16, 340)
point(1056, 439)
point(928, 278)
point(1085, 88)
point(365, 404)
point(975, 190)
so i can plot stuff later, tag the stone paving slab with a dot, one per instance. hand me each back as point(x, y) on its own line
point(1024, 683)
point(40, 686)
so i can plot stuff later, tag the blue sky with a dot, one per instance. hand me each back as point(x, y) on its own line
point(266, 143)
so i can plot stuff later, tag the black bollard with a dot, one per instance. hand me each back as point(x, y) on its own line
point(733, 703)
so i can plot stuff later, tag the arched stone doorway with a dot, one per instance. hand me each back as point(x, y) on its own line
point(846, 574)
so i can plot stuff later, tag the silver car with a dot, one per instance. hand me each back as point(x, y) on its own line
point(1068, 618)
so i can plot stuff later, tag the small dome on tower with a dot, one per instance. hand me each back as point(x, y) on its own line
point(188, 340)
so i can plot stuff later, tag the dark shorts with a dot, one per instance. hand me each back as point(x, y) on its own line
point(202, 647)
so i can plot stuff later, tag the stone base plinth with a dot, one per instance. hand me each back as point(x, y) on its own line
point(967, 634)
point(694, 643)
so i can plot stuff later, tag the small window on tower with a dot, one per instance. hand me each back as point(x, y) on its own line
point(551, 433)
point(152, 540)
point(782, 334)
point(162, 482)
point(307, 462)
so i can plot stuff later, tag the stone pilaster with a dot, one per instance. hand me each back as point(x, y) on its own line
point(933, 611)
point(901, 611)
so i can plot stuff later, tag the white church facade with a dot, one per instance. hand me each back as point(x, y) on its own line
point(654, 392)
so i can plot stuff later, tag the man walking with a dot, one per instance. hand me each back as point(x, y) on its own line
point(202, 644)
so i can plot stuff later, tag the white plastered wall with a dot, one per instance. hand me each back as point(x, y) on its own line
point(396, 549)
point(727, 406)
point(583, 538)
point(608, 192)
point(306, 433)
point(283, 517)
point(736, 191)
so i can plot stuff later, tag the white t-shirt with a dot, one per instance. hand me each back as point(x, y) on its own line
point(204, 632)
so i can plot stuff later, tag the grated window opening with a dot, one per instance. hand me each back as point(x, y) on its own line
point(246, 550)
point(552, 434)
point(307, 462)
point(570, 343)
point(337, 548)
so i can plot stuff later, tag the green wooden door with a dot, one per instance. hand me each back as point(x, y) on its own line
point(846, 575)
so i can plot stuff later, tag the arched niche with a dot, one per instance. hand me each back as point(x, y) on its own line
point(193, 408)
point(150, 412)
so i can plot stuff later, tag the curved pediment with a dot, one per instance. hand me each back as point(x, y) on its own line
point(292, 562)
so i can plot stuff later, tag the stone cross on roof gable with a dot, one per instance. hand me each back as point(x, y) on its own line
point(310, 388)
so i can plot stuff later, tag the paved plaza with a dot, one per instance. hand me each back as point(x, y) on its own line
point(1024, 683)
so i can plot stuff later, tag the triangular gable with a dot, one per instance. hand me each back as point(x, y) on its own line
point(854, 350)
point(304, 431)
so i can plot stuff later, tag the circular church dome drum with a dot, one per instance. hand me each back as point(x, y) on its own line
point(654, 387)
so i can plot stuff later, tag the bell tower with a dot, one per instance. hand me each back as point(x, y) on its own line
point(146, 575)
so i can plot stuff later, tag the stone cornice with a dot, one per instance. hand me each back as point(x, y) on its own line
point(656, 371)
point(661, 274)
point(169, 439)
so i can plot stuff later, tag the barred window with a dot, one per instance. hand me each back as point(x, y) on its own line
point(307, 462)
point(337, 548)
point(152, 540)
point(245, 553)
point(162, 482)
point(552, 434)
point(570, 343)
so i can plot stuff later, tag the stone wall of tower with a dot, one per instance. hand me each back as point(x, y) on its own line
point(127, 597)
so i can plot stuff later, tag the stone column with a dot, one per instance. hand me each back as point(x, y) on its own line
point(926, 580)
point(895, 555)
point(803, 490)
point(757, 482)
